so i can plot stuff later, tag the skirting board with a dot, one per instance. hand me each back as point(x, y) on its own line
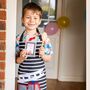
point(72, 78)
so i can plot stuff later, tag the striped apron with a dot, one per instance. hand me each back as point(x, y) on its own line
point(33, 64)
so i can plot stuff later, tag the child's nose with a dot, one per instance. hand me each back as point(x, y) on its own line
point(31, 20)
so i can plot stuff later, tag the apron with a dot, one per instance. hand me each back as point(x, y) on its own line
point(33, 65)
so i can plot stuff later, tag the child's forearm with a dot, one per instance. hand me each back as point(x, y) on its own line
point(21, 57)
point(46, 57)
point(19, 60)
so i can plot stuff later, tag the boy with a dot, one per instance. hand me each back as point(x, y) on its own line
point(32, 66)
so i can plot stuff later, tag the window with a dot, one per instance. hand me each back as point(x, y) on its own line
point(49, 10)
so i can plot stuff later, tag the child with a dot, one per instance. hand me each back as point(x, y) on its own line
point(32, 66)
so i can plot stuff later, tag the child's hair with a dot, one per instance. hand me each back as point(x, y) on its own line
point(32, 6)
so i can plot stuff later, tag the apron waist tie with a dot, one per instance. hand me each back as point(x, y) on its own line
point(34, 76)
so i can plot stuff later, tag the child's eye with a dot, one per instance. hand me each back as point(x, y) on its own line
point(27, 17)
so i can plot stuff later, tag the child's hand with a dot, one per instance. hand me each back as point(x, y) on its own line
point(23, 53)
point(22, 56)
point(41, 51)
point(43, 55)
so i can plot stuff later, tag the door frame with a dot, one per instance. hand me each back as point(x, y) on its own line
point(10, 44)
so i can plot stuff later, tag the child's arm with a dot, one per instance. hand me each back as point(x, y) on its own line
point(21, 57)
point(43, 55)
point(46, 49)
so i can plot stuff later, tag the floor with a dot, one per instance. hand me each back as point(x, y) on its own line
point(57, 85)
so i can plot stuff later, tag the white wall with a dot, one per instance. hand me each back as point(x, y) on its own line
point(72, 47)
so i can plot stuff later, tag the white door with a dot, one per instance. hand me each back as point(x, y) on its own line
point(52, 66)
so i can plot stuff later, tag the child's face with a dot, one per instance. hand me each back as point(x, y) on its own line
point(31, 19)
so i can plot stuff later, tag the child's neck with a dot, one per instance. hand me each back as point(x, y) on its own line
point(31, 32)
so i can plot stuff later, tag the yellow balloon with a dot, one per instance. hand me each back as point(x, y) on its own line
point(63, 22)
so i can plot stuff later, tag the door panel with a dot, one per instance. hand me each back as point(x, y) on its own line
point(52, 66)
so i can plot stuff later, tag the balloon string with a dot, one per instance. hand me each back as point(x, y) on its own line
point(62, 8)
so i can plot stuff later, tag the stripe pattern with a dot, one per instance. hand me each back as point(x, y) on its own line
point(32, 64)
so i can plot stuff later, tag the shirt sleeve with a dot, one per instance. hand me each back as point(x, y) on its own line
point(17, 44)
point(47, 44)
point(48, 47)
